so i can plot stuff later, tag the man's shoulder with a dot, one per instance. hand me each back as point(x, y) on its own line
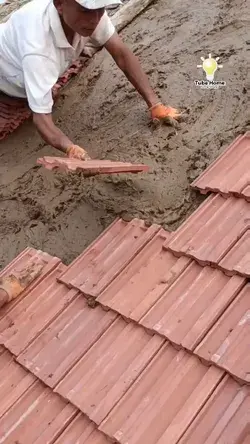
point(32, 28)
point(104, 30)
point(32, 18)
point(34, 8)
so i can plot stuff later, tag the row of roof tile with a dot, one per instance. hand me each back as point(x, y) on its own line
point(175, 297)
point(130, 272)
point(176, 400)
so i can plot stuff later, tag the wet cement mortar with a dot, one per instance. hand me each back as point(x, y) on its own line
point(62, 214)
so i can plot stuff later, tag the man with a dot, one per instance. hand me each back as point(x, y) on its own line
point(41, 40)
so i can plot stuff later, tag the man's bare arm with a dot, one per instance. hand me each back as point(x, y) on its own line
point(52, 135)
point(50, 132)
point(131, 67)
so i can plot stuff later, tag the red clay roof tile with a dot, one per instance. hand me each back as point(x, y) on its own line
point(144, 280)
point(31, 413)
point(227, 344)
point(190, 307)
point(164, 400)
point(91, 167)
point(109, 368)
point(97, 266)
point(14, 381)
point(225, 418)
point(78, 431)
point(237, 259)
point(32, 315)
point(68, 338)
point(229, 174)
point(20, 262)
point(212, 230)
point(38, 416)
point(82, 431)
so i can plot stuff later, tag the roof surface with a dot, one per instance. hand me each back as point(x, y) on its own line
point(143, 339)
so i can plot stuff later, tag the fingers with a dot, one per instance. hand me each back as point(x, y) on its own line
point(167, 115)
point(180, 116)
point(87, 157)
point(166, 121)
point(171, 121)
point(76, 152)
point(173, 113)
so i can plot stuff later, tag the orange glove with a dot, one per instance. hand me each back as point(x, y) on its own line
point(76, 152)
point(165, 114)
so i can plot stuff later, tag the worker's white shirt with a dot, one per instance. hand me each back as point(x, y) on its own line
point(34, 52)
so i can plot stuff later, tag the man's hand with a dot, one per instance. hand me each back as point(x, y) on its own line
point(164, 114)
point(76, 152)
